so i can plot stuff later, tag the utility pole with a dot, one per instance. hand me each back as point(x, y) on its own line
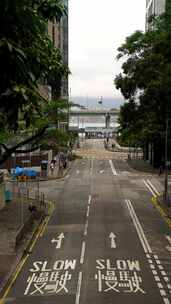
point(166, 199)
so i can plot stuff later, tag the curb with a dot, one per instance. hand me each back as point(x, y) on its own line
point(162, 209)
point(22, 257)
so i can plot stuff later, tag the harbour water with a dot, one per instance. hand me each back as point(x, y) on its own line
point(91, 122)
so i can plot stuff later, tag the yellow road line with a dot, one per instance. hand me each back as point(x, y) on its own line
point(48, 218)
point(40, 232)
point(14, 278)
point(161, 211)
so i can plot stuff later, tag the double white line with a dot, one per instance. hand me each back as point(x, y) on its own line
point(138, 227)
point(151, 187)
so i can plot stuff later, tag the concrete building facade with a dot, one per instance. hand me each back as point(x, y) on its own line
point(154, 7)
point(58, 33)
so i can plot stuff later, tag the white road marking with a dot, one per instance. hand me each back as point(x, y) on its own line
point(58, 241)
point(147, 248)
point(152, 186)
point(152, 266)
point(88, 210)
point(157, 279)
point(77, 301)
point(149, 188)
point(82, 252)
point(112, 167)
point(160, 285)
point(150, 261)
point(140, 232)
point(112, 236)
point(163, 293)
point(86, 228)
point(169, 240)
point(154, 272)
point(160, 267)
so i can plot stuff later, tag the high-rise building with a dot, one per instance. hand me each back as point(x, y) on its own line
point(58, 32)
point(59, 35)
point(154, 7)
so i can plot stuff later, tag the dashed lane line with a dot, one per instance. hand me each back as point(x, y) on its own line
point(86, 228)
point(82, 252)
point(77, 301)
point(89, 199)
point(88, 211)
point(112, 167)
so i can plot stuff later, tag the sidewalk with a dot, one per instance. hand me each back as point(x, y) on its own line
point(142, 165)
point(12, 217)
point(158, 182)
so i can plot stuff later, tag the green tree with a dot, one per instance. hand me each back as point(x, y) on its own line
point(146, 85)
point(27, 56)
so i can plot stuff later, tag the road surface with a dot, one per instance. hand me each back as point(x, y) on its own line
point(105, 242)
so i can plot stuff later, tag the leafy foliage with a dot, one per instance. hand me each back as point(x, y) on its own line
point(146, 83)
point(27, 56)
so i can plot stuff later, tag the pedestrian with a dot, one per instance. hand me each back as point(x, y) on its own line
point(52, 167)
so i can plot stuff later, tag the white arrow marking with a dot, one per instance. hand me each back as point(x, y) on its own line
point(169, 240)
point(112, 236)
point(58, 241)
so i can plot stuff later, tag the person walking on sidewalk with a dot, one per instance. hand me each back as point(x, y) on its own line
point(51, 167)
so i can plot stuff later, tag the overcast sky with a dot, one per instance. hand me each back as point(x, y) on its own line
point(96, 29)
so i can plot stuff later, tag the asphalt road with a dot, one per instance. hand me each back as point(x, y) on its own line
point(105, 242)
